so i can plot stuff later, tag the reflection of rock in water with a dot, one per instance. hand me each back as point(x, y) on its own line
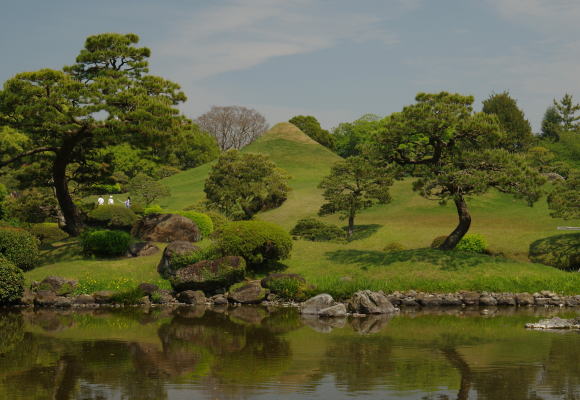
point(191, 312)
point(249, 315)
point(323, 325)
point(370, 324)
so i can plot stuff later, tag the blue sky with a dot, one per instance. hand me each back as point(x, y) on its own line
point(335, 59)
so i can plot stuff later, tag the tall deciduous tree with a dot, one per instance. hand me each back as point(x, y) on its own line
point(352, 186)
point(145, 190)
point(310, 126)
point(106, 97)
point(454, 151)
point(242, 184)
point(518, 131)
point(233, 126)
point(350, 137)
point(567, 111)
point(551, 124)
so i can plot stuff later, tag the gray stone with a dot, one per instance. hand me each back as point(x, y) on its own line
point(84, 299)
point(248, 293)
point(542, 301)
point(163, 297)
point(45, 298)
point(103, 296)
point(524, 299)
point(142, 249)
point(487, 300)
point(470, 298)
point(556, 323)
point(176, 248)
point(166, 228)
point(368, 302)
point(429, 300)
point(60, 286)
point(62, 302)
point(191, 297)
point(317, 303)
point(219, 299)
point(210, 276)
point(338, 310)
point(506, 300)
point(451, 300)
point(148, 288)
point(409, 302)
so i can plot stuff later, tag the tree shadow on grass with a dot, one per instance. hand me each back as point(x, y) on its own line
point(363, 231)
point(453, 260)
point(61, 251)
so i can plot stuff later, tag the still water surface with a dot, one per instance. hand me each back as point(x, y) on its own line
point(255, 353)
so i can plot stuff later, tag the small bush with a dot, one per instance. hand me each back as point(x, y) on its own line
point(19, 247)
point(259, 243)
point(203, 222)
point(128, 297)
point(113, 217)
point(218, 219)
point(102, 188)
point(316, 230)
point(48, 232)
point(183, 260)
point(560, 251)
point(393, 247)
point(287, 286)
point(11, 282)
point(153, 209)
point(472, 242)
point(438, 241)
point(105, 243)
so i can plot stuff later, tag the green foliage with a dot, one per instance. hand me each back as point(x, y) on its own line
point(316, 230)
point(183, 260)
point(153, 209)
point(105, 243)
point(310, 126)
point(473, 242)
point(128, 297)
point(47, 232)
point(354, 185)
point(560, 251)
point(567, 112)
point(288, 287)
point(242, 184)
point(19, 247)
point(192, 147)
point(112, 216)
point(438, 241)
point(351, 137)
point(32, 205)
point(3, 196)
point(259, 243)
point(129, 160)
point(566, 149)
point(518, 131)
point(11, 282)
point(146, 190)
point(203, 221)
point(394, 247)
point(564, 200)
point(551, 124)
point(103, 188)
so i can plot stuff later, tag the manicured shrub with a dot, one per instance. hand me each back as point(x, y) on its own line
point(11, 282)
point(182, 260)
point(259, 243)
point(203, 222)
point(153, 209)
point(218, 219)
point(394, 247)
point(438, 241)
point(560, 251)
point(48, 232)
point(19, 247)
point(317, 231)
point(472, 242)
point(112, 216)
point(287, 286)
point(105, 243)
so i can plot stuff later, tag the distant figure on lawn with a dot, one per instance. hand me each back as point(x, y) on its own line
point(128, 202)
point(111, 201)
point(100, 201)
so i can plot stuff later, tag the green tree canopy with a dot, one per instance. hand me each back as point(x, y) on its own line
point(564, 200)
point(310, 126)
point(242, 184)
point(350, 137)
point(518, 131)
point(567, 111)
point(145, 190)
point(106, 97)
point(455, 154)
point(551, 124)
point(352, 186)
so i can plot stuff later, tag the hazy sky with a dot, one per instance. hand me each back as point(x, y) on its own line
point(335, 59)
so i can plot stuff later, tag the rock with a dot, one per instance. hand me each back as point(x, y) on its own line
point(248, 315)
point(409, 302)
point(506, 300)
point(103, 297)
point(191, 297)
point(395, 300)
point(487, 300)
point(62, 302)
point(148, 288)
point(219, 300)
point(451, 300)
point(163, 297)
point(317, 303)
point(337, 310)
point(27, 297)
point(60, 286)
point(323, 325)
point(542, 301)
point(144, 301)
point(141, 249)
point(367, 302)
point(524, 299)
point(470, 298)
point(210, 276)
point(429, 300)
point(45, 298)
point(84, 299)
point(176, 248)
point(555, 323)
point(370, 324)
point(166, 228)
point(572, 302)
point(248, 293)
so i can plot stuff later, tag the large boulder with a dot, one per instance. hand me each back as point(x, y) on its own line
point(337, 310)
point(191, 297)
point(317, 303)
point(142, 249)
point(59, 286)
point(367, 302)
point(176, 248)
point(210, 276)
point(166, 228)
point(248, 293)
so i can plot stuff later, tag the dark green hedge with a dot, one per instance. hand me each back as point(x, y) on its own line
point(19, 247)
point(105, 243)
point(11, 282)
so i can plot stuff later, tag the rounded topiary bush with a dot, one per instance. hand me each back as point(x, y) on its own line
point(48, 232)
point(203, 222)
point(472, 242)
point(105, 243)
point(438, 241)
point(259, 243)
point(316, 230)
point(19, 247)
point(111, 216)
point(11, 282)
point(393, 247)
point(560, 251)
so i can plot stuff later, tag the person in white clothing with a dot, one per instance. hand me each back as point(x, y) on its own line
point(100, 201)
point(111, 201)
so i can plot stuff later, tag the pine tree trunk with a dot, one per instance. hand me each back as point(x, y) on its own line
point(69, 210)
point(462, 227)
point(350, 230)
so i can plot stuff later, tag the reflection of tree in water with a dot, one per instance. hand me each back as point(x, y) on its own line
point(562, 368)
point(11, 331)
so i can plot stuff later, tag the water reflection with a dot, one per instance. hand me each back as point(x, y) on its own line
point(253, 352)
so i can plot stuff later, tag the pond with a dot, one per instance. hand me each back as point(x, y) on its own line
point(259, 353)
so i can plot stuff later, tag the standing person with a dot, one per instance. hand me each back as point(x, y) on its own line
point(111, 201)
point(100, 201)
point(128, 202)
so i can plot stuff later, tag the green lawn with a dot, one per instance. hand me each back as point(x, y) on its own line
point(508, 224)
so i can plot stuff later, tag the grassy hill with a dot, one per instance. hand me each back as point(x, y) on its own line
point(508, 224)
